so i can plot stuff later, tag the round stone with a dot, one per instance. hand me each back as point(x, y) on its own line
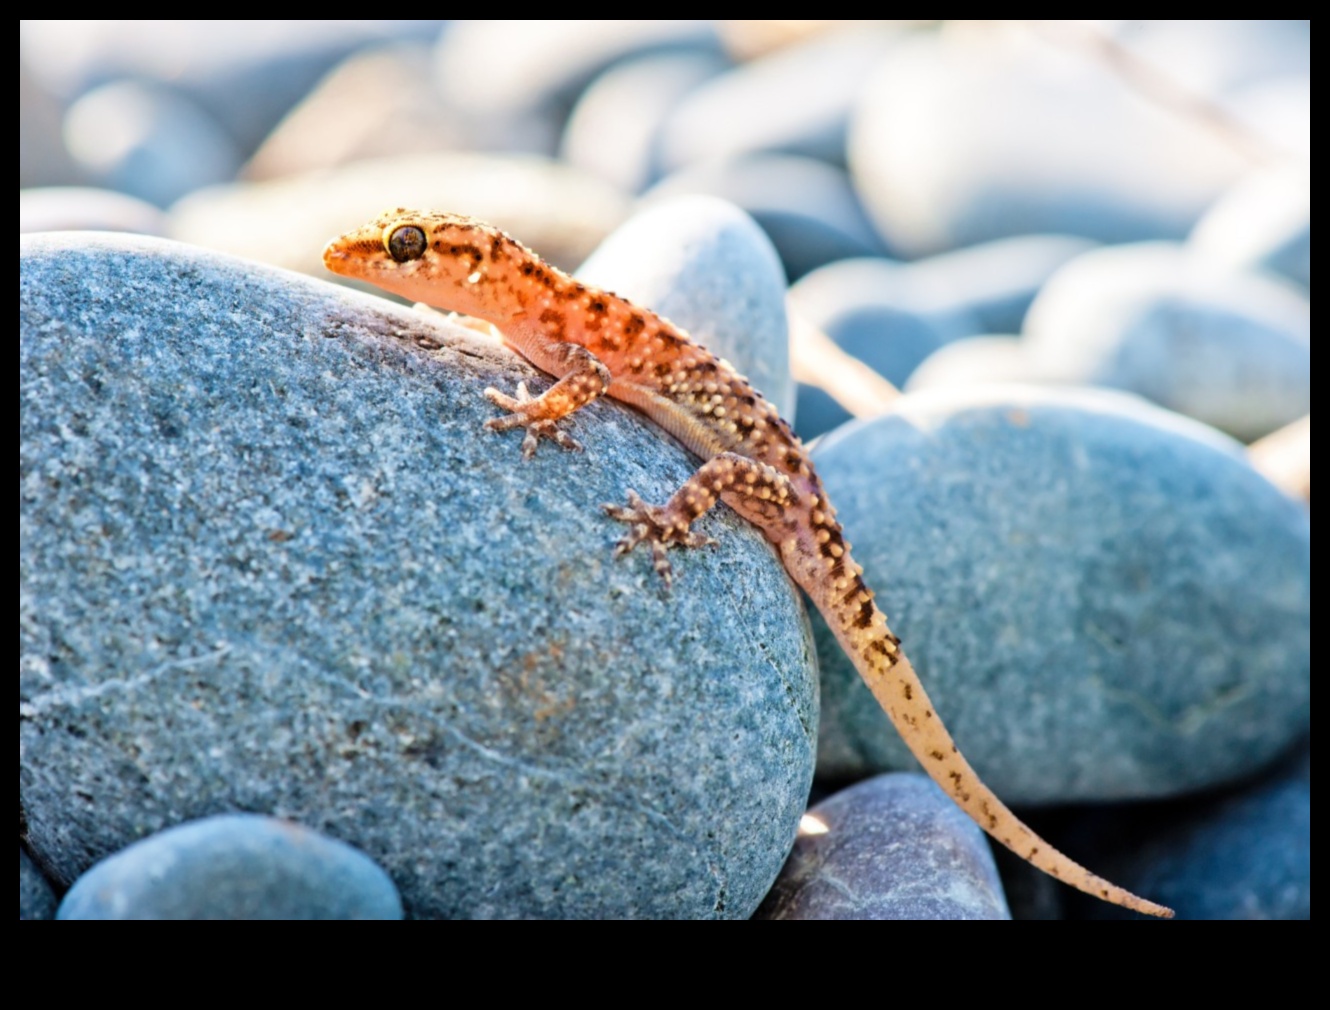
point(271, 560)
point(1103, 599)
point(234, 866)
point(1230, 348)
point(82, 208)
point(892, 847)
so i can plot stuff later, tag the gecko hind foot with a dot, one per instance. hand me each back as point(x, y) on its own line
point(656, 526)
point(536, 428)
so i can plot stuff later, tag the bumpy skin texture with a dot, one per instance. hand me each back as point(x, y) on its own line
point(597, 344)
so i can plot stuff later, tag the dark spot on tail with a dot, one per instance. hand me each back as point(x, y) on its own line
point(936, 755)
point(909, 691)
point(597, 305)
point(865, 617)
point(635, 325)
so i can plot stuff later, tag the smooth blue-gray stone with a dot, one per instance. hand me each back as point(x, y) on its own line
point(246, 74)
point(234, 866)
point(816, 412)
point(986, 132)
point(614, 129)
point(893, 847)
point(1230, 348)
point(706, 266)
point(271, 560)
point(974, 361)
point(516, 80)
point(85, 208)
point(1244, 854)
point(1263, 223)
point(807, 207)
point(148, 141)
point(36, 899)
point(872, 310)
point(1103, 599)
point(995, 282)
point(796, 100)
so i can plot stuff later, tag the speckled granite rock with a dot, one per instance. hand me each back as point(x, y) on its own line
point(270, 561)
point(982, 132)
point(560, 212)
point(82, 208)
point(1104, 600)
point(894, 847)
point(36, 900)
point(1265, 223)
point(1245, 854)
point(706, 266)
point(1230, 348)
point(807, 207)
point(234, 866)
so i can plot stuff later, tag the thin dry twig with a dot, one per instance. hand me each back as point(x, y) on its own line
point(815, 360)
point(1285, 457)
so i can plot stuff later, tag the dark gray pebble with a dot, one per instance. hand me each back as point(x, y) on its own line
point(893, 847)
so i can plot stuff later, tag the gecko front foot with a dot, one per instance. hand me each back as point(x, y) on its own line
point(656, 525)
point(523, 408)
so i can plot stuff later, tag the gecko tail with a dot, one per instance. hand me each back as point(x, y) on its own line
point(897, 688)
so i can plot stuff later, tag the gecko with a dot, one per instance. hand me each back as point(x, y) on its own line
point(596, 344)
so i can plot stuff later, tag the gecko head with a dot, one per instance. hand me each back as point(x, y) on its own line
point(425, 256)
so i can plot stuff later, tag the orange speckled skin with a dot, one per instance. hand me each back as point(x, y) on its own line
point(595, 344)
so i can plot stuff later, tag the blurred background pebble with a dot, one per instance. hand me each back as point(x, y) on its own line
point(940, 205)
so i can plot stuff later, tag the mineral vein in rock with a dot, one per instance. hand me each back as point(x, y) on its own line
point(595, 344)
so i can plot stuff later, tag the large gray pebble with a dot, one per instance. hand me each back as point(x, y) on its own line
point(234, 866)
point(982, 134)
point(706, 266)
point(614, 130)
point(1104, 600)
point(1263, 223)
point(1241, 855)
point(245, 74)
point(271, 561)
point(516, 80)
point(807, 207)
point(559, 211)
point(893, 847)
point(873, 310)
point(36, 899)
point(148, 141)
point(795, 101)
point(1230, 348)
point(84, 208)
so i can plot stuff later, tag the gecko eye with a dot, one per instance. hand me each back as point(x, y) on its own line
point(407, 243)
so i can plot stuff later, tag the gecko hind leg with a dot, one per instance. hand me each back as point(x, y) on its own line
point(755, 490)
